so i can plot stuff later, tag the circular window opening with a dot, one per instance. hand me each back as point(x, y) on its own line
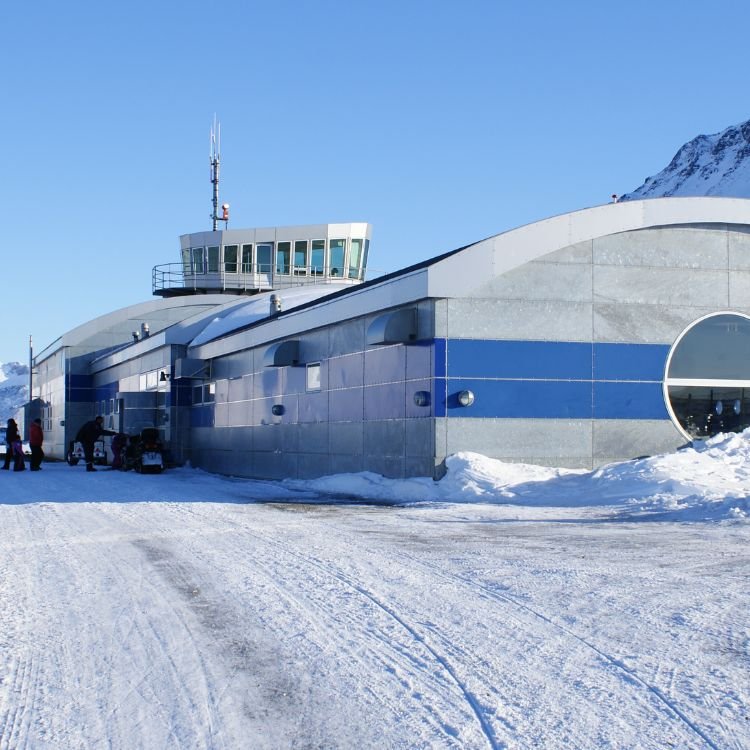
point(707, 381)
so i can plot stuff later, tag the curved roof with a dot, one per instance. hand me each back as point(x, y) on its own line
point(459, 273)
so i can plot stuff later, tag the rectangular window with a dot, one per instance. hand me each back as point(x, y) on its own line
point(197, 255)
point(300, 257)
point(197, 394)
point(336, 254)
point(142, 382)
point(247, 259)
point(213, 259)
point(317, 257)
point(265, 253)
point(230, 258)
point(185, 254)
point(313, 376)
point(354, 257)
point(364, 260)
point(209, 392)
point(283, 251)
point(152, 380)
point(111, 406)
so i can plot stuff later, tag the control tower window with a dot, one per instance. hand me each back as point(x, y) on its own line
point(283, 253)
point(300, 257)
point(264, 252)
point(336, 250)
point(317, 257)
point(230, 259)
point(355, 255)
point(707, 383)
point(213, 259)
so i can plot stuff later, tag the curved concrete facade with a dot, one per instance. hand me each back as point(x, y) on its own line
point(560, 329)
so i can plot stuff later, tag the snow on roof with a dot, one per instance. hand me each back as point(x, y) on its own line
point(258, 308)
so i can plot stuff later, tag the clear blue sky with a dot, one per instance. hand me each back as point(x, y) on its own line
point(439, 122)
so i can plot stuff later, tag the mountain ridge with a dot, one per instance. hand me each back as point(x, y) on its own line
point(717, 164)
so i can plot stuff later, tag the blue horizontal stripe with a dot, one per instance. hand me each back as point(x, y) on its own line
point(557, 360)
point(629, 401)
point(630, 361)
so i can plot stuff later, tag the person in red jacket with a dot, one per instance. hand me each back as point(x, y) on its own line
point(36, 438)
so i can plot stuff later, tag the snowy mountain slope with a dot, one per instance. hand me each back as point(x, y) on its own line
point(14, 388)
point(717, 164)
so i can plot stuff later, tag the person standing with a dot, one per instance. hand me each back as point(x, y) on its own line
point(88, 435)
point(36, 438)
point(11, 434)
point(18, 459)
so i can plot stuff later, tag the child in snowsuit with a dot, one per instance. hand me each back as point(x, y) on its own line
point(18, 462)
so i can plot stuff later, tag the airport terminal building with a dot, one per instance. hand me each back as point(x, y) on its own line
point(599, 335)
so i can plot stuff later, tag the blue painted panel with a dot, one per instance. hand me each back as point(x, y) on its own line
point(346, 405)
point(439, 353)
point(629, 401)
point(528, 399)
point(560, 360)
point(384, 401)
point(630, 361)
point(385, 364)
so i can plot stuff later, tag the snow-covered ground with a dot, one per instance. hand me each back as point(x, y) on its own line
point(505, 606)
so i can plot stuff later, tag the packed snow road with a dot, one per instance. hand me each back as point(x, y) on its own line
point(187, 611)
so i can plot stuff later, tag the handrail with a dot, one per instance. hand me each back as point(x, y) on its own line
point(168, 277)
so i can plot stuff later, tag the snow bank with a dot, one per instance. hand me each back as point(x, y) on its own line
point(709, 481)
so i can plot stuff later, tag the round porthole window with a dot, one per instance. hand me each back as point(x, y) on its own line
point(707, 379)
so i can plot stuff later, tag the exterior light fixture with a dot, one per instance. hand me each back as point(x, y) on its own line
point(277, 410)
point(422, 398)
point(164, 376)
point(466, 398)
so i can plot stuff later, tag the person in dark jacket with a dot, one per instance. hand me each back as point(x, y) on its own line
point(36, 438)
point(11, 435)
point(18, 459)
point(88, 435)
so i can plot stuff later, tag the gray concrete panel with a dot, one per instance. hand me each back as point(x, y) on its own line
point(418, 467)
point(647, 324)
point(739, 250)
point(739, 290)
point(541, 281)
point(441, 318)
point(343, 464)
point(669, 247)
point(313, 437)
point(581, 252)
point(388, 466)
point(347, 371)
point(312, 465)
point(346, 337)
point(519, 319)
point(267, 438)
point(384, 438)
point(346, 438)
point(522, 439)
point(419, 438)
point(660, 286)
point(633, 438)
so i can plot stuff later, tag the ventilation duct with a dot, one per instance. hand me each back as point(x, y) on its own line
point(283, 354)
point(396, 327)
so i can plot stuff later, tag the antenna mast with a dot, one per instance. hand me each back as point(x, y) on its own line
point(214, 156)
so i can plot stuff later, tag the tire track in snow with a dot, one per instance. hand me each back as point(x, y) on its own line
point(410, 629)
point(608, 658)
